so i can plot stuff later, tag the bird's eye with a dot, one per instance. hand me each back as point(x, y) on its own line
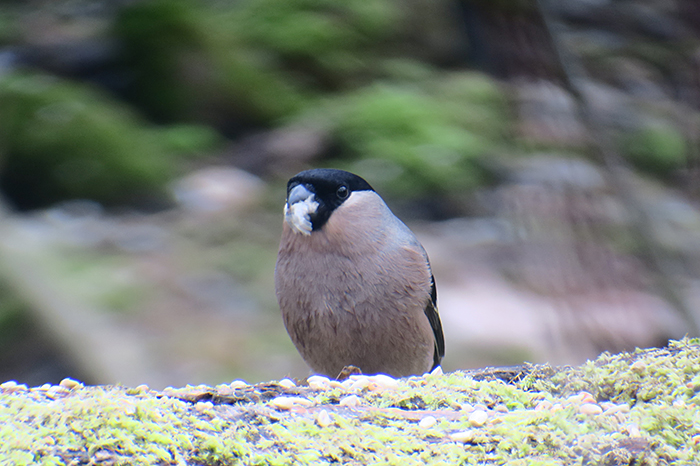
point(343, 192)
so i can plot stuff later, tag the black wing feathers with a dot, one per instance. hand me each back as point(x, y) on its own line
point(434, 319)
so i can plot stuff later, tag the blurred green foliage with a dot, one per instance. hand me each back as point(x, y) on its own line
point(154, 36)
point(657, 148)
point(333, 44)
point(248, 64)
point(255, 61)
point(67, 140)
point(423, 137)
point(284, 59)
point(8, 27)
point(190, 62)
point(352, 67)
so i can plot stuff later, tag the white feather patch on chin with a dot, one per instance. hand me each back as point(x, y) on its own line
point(297, 215)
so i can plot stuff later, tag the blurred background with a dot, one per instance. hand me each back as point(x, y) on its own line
point(544, 151)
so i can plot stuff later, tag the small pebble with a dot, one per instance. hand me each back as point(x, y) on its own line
point(318, 382)
point(359, 383)
point(638, 367)
point(501, 408)
point(287, 383)
point(633, 431)
point(581, 397)
point(427, 422)
point(12, 386)
point(225, 390)
point(142, 388)
point(9, 385)
point(467, 408)
point(238, 384)
point(70, 384)
point(382, 382)
point(612, 408)
point(556, 407)
point(56, 390)
point(347, 383)
point(350, 401)
point(130, 410)
point(463, 436)
point(203, 406)
point(323, 419)
point(590, 408)
point(478, 418)
point(288, 402)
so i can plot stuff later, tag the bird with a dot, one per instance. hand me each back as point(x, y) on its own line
point(353, 283)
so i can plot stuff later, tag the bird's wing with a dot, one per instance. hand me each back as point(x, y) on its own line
point(434, 319)
point(419, 258)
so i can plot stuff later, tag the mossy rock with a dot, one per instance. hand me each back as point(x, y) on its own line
point(639, 408)
point(63, 140)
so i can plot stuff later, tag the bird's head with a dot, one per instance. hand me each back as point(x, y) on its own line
point(313, 196)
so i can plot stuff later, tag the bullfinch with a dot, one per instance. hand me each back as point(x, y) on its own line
point(353, 283)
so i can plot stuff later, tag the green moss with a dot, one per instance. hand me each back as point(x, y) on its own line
point(138, 427)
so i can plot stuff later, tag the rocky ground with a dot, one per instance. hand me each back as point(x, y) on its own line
point(638, 408)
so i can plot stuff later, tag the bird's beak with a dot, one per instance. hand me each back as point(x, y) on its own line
point(301, 204)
